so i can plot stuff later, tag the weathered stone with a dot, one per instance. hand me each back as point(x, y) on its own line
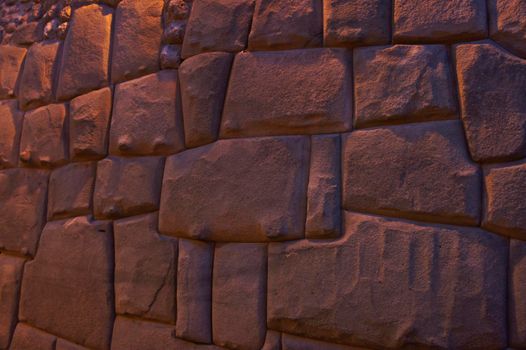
point(505, 210)
point(145, 269)
point(174, 31)
point(491, 84)
point(70, 190)
point(10, 280)
point(146, 118)
point(517, 292)
point(11, 58)
point(286, 24)
point(259, 186)
point(67, 345)
point(392, 284)
point(402, 83)
point(89, 123)
point(36, 81)
point(418, 171)
point(439, 21)
point(194, 295)
point(203, 80)
point(507, 24)
point(291, 342)
point(74, 285)
point(324, 189)
point(29, 338)
point(27, 34)
point(43, 142)
point(170, 56)
point(127, 186)
point(11, 120)
point(239, 295)
point(272, 340)
point(137, 39)
point(218, 26)
point(84, 64)
point(356, 22)
point(314, 96)
point(23, 197)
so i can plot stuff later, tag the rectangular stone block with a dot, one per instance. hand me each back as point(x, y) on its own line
point(29, 338)
point(11, 58)
point(517, 294)
point(288, 92)
point(10, 280)
point(11, 120)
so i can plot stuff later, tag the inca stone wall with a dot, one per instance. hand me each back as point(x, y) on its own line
point(262, 174)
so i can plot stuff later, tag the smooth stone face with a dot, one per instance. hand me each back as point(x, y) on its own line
point(314, 97)
point(517, 293)
point(291, 342)
point(491, 87)
point(67, 345)
point(29, 338)
point(507, 24)
point(390, 284)
point(10, 280)
point(259, 185)
point(11, 120)
point(272, 340)
point(11, 58)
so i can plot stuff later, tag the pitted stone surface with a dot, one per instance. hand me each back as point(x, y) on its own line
point(11, 120)
point(10, 280)
point(11, 58)
point(508, 24)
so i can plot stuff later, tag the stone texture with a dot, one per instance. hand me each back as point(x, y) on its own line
point(402, 83)
point(137, 39)
point(194, 291)
point(286, 24)
point(392, 284)
point(507, 24)
point(291, 342)
point(11, 58)
point(239, 295)
point(89, 123)
point(23, 196)
point(170, 56)
point(491, 84)
point(259, 186)
point(70, 190)
point(272, 341)
point(324, 189)
point(146, 116)
point(505, 210)
point(10, 280)
point(420, 171)
point(85, 59)
point(351, 23)
point(127, 186)
point(43, 142)
point(439, 21)
point(145, 269)
point(36, 81)
point(315, 93)
point(218, 26)
point(11, 120)
point(29, 338)
point(517, 290)
point(204, 80)
point(67, 345)
point(75, 285)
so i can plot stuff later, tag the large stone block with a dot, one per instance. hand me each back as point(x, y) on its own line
point(67, 289)
point(239, 295)
point(491, 84)
point(392, 284)
point(137, 39)
point(507, 24)
point(146, 116)
point(420, 171)
point(86, 54)
point(29, 338)
point(517, 294)
point(244, 190)
point(145, 269)
point(402, 83)
point(288, 92)
point(291, 342)
point(10, 280)
point(286, 24)
point(11, 58)
point(11, 120)
point(23, 197)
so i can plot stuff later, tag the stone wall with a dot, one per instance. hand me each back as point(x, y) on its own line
point(294, 174)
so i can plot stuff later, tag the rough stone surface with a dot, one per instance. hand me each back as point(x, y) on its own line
point(57, 280)
point(11, 58)
point(238, 295)
point(10, 280)
point(29, 338)
point(67, 345)
point(218, 26)
point(356, 22)
point(286, 24)
point(145, 269)
point(517, 290)
point(204, 80)
point(146, 116)
point(11, 120)
point(137, 39)
point(507, 24)
point(491, 84)
point(402, 83)
point(260, 184)
point(314, 93)
point(291, 342)
point(88, 126)
point(427, 21)
point(127, 186)
point(419, 171)
point(390, 284)
point(85, 59)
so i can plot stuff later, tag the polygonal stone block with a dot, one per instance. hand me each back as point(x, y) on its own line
point(10, 280)
point(11, 120)
point(29, 338)
point(11, 58)
point(291, 342)
point(507, 24)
